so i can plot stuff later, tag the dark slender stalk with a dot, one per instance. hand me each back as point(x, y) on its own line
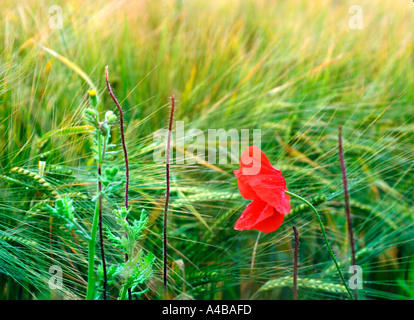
point(121, 120)
point(101, 241)
point(167, 194)
point(121, 126)
point(346, 195)
point(295, 264)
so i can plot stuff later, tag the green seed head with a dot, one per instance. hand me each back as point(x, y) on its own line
point(91, 112)
point(59, 203)
point(110, 116)
point(114, 171)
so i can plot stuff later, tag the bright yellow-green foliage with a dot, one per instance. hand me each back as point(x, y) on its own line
point(294, 69)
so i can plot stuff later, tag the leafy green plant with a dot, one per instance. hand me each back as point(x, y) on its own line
point(138, 269)
point(101, 140)
point(65, 212)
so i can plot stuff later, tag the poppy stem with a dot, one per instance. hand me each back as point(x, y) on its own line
point(295, 264)
point(326, 240)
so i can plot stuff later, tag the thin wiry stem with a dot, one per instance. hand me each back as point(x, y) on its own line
point(81, 229)
point(167, 194)
point(318, 217)
point(101, 241)
point(90, 293)
point(295, 264)
point(121, 126)
point(346, 195)
point(254, 252)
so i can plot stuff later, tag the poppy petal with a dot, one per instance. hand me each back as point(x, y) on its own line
point(253, 157)
point(267, 184)
point(245, 190)
point(271, 189)
point(259, 181)
point(256, 212)
point(253, 154)
point(270, 224)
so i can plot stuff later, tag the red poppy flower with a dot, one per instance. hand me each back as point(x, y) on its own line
point(259, 181)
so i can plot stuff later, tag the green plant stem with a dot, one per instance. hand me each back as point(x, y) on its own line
point(97, 220)
point(254, 252)
point(90, 293)
point(123, 294)
point(326, 240)
point(101, 241)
